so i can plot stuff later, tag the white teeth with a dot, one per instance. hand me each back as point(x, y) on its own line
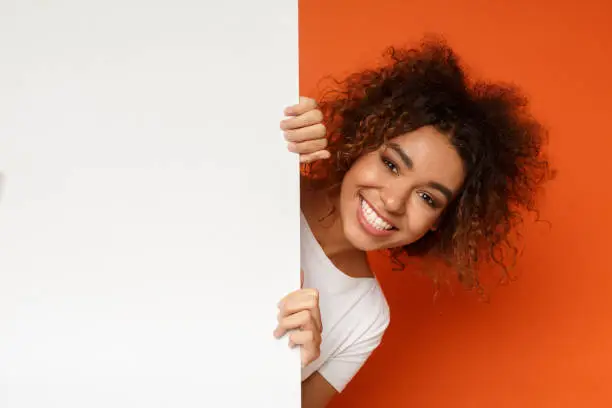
point(373, 219)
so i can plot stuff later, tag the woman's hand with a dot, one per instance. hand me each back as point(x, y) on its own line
point(300, 316)
point(305, 132)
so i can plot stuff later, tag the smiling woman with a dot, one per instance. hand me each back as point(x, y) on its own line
point(399, 192)
point(418, 159)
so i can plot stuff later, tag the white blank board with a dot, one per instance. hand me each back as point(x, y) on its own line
point(149, 210)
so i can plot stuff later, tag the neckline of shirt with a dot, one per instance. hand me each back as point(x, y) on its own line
point(322, 257)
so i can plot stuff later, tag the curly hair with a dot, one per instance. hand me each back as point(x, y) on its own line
point(490, 126)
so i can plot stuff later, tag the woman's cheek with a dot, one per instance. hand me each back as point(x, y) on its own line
point(370, 176)
point(420, 220)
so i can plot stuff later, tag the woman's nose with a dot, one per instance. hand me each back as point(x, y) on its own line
point(394, 200)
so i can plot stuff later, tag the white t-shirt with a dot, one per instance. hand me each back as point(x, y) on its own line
point(354, 314)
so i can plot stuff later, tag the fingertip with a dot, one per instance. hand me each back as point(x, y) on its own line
point(312, 157)
point(311, 103)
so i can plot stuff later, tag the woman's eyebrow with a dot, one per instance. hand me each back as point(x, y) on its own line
point(443, 189)
point(402, 154)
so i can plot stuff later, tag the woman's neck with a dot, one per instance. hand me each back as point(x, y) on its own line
point(325, 224)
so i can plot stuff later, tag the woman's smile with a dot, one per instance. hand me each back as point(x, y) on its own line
point(371, 221)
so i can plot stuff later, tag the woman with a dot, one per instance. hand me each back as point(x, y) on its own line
point(417, 160)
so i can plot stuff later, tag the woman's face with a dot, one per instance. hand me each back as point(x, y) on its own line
point(395, 195)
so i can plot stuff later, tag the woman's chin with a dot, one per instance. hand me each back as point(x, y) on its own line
point(362, 241)
point(365, 242)
point(365, 246)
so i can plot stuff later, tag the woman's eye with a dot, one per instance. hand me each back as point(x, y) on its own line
point(390, 165)
point(428, 200)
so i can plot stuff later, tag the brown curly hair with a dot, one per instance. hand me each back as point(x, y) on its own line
point(490, 126)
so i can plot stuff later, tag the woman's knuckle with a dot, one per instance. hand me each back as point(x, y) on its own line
point(288, 124)
point(314, 293)
point(290, 135)
point(311, 303)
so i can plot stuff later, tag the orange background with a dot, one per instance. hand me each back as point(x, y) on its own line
point(546, 339)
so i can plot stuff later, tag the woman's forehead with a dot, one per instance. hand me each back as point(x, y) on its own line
point(430, 153)
point(424, 143)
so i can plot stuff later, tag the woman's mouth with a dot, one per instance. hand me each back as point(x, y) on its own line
point(371, 221)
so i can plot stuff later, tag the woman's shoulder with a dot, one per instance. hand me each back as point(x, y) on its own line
point(378, 308)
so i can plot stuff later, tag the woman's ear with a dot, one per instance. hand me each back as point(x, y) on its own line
point(435, 225)
point(438, 221)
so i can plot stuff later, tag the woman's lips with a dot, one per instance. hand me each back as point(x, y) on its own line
point(371, 221)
